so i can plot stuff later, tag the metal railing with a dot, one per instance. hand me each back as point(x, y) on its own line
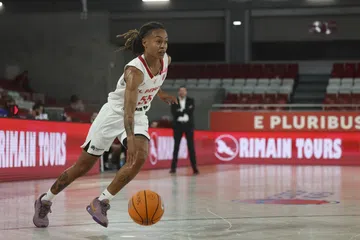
point(289, 107)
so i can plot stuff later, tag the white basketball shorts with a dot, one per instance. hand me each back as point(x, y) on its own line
point(109, 125)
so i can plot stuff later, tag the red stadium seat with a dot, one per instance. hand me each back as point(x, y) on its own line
point(237, 71)
point(344, 98)
point(269, 71)
point(330, 98)
point(357, 70)
point(256, 71)
point(280, 70)
point(223, 71)
point(79, 116)
point(350, 70)
point(292, 71)
point(337, 70)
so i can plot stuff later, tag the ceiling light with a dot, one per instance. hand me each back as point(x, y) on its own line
point(156, 1)
point(236, 23)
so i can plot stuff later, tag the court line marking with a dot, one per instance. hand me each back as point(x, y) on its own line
point(230, 225)
point(185, 219)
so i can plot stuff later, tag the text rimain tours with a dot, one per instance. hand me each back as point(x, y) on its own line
point(229, 147)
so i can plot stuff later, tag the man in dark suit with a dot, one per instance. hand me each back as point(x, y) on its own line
point(183, 123)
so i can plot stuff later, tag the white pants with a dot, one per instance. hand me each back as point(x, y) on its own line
point(109, 125)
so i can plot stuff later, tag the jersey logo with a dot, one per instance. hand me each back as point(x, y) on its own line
point(149, 90)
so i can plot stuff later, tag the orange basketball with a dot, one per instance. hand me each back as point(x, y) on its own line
point(146, 207)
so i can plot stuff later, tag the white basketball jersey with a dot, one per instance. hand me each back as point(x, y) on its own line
point(147, 89)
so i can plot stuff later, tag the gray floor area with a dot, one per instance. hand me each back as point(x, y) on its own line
point(301, 203)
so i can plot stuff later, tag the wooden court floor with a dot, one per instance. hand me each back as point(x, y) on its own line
point(223, 202)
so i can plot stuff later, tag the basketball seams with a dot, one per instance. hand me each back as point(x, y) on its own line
point(155, 220)
point(157, 207)
point(146, 209)
point(132, 201)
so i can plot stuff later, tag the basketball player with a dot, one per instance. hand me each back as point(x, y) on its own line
point(123, 117)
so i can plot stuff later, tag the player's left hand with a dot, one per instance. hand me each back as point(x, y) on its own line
point(168, 98)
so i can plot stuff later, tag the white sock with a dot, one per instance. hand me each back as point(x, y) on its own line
point(106, 195)
point(49, 196)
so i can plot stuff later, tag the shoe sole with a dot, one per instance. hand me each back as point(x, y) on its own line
point(88, 209)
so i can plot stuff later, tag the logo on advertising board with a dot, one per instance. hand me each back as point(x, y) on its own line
point(153, 148)
point(161, 148)
point(226, 147)
point(294, 198)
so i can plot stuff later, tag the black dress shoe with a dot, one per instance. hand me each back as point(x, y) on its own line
point(172, 171)
point(196, 172)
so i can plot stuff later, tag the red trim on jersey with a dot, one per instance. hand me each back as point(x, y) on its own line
point(164, 71)
point(147, 68)
point(162, 65)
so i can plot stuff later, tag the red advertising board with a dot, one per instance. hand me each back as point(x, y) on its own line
point(301, 148)
point(39, 149)
point(42, 149)
point(285, 121)
point(316, 148)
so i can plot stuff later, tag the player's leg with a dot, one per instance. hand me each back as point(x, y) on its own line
point(99, 206)
point(99, 139)
point(85, 162)
point(43, 203)
point(129, 171)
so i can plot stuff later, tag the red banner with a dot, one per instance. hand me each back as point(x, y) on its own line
point(39, 149)
point(288, 148)
point(42, 149)
point(285, 121)
point(258, 148)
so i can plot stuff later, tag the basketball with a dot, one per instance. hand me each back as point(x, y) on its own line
point(146, 207)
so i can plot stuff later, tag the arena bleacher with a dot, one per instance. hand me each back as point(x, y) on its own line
point(244, 84)
point(343, 86)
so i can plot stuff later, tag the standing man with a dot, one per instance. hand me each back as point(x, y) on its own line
point(183, 123)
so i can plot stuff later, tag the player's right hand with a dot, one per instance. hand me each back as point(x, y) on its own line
point(131, 150)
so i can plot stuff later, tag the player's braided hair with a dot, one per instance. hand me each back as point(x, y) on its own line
point(134, 37)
